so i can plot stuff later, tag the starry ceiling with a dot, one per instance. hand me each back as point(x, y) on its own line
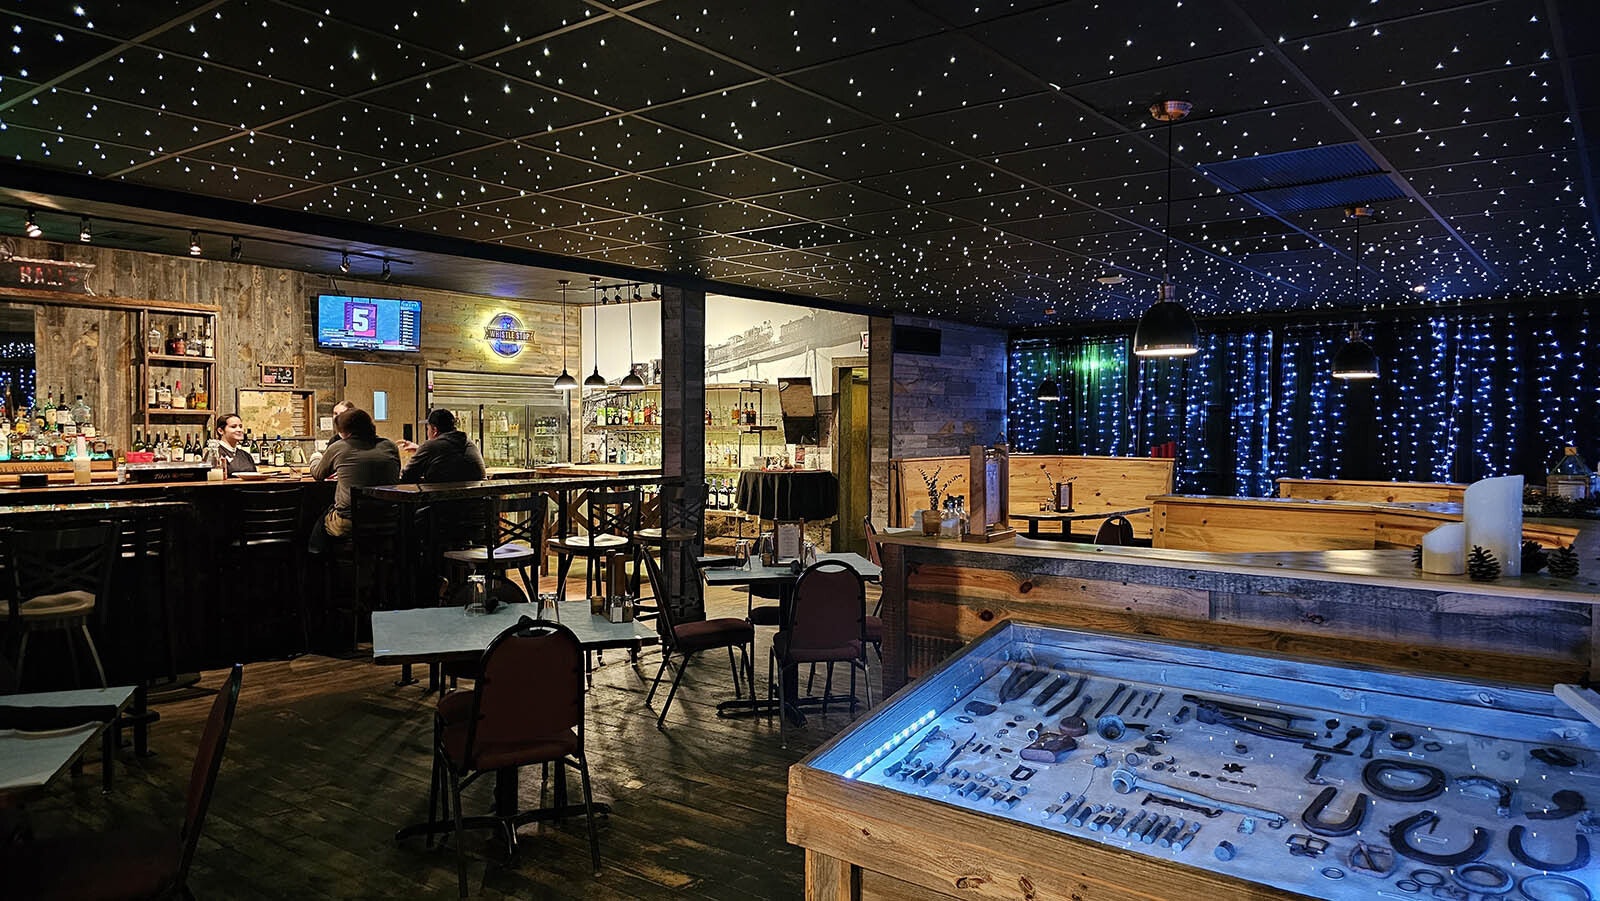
point(986, 162)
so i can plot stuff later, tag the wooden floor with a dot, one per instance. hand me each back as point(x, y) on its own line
point(328, 757)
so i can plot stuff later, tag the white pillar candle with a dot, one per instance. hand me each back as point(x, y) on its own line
point(1493, 516)
point(1444, 550)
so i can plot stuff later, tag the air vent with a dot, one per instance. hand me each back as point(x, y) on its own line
point(1316, 178)
point(913, 339)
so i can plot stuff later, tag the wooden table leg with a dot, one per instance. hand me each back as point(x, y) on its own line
point(831, 879)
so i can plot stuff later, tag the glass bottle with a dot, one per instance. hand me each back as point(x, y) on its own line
point(83, 416)
point(179, 400)
point(152, 341)
point(209, 350)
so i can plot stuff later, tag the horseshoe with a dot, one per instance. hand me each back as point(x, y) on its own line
point(1399, 839)
point(1312, 817)
point(1580, 857)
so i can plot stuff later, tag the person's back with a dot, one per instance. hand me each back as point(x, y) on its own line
point(359, 462)
point(447, 456)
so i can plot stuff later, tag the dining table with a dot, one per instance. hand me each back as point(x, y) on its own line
point(44, 733)
point(1066, 518)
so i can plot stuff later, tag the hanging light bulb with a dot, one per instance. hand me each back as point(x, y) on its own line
point(1167, 329)
point(564, 381)
point(1356, 361)
point(30, 227)
point(595, 379)
point(631, 381)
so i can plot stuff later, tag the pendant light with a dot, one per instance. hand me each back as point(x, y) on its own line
point(1050, 388)
point(631, 381)
point(1167, 329)
point(1356, 361)
point(564, 381)
point(595, 379)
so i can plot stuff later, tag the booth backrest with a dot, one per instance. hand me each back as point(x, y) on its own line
point(1389, 492)
point(1102, 483)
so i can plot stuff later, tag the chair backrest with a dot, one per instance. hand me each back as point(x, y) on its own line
point(667, 622)
point(1116, 530)
point(522, 518)
point(268, 515)
point(829, 607)
point(529, 688)
point(52, 560)
point(613, 512)
point(871, 533)
point(207, 761)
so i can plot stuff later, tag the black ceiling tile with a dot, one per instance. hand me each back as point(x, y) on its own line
point(1505, 201)
point(217, 180)
point(1586, 82)
point(1469, 143)
point(728, 270)
point(630, 144)
point(1238, 82)
point(617, 64)
point(874, 150)
point(641, 230)
point(445, 28)
point(487, 102)
point(69, 152)
point(830, 201)
point(265, 153)
point(65, 112)
point(801, 235)
point(1540, 169)
point(298, 47)
point(995, 208)
point(759, 116)
point(942, 183)
point(729, 217)
point(929, 75)
point(42, 52)
point(1093, 160)
point(122, 21)
point(1069, 225)
point(1292, 127)
point(782, 259)
point(1462, 101)
point(799, 34)
point(522, 167)
point(384, 134)
point(715, 247)
point(1469, 38)
point(897, 222)
point(567, 242)
point(635, 193)
point(200, 89)
point(545, 211)
point(351, 203)
point(435, 188)
point(739, 176)
point(1040, 120)
point(1296, 20)
point(475, 224)
point(1070, 43)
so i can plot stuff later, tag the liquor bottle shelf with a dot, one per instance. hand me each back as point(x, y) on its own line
point(174, 359)
point(160, 411)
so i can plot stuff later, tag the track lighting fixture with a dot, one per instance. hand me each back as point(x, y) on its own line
point(595, 379)
point(235, 249)
point(1167, 329)
point(388, 274)
point(344, 263)
point(30, 227)
point(564, 381)
point(84, 233)
point(194, 244)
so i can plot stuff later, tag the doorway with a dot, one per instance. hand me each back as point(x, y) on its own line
point(852, 459)
point(389, 392)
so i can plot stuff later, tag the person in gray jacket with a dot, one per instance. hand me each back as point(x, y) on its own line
point(359, 459)
point(447, 456)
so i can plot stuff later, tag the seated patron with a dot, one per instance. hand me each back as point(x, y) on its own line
point(230, 433)
point(358, 459)
point(447, 456)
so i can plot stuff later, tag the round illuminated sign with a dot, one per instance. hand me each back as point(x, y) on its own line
point(505, 335)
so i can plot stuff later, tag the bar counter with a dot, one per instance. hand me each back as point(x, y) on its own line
point(1364, 606)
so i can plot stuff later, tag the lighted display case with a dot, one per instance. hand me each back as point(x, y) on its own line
point(1052, 763)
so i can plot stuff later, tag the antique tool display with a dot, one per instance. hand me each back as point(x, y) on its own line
point(1376, 795)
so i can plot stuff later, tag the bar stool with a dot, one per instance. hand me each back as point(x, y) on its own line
point(265, 550)
point(683, 529)
point(58, 575)
point(612, 518)
point(519, 526)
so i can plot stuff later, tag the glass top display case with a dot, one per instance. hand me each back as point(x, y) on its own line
point(1221, 771)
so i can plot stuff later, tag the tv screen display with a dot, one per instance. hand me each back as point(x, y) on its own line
point(368, 323)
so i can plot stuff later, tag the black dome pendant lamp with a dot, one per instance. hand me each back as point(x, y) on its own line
point(1356, 361)
point(595, 379)
point(1167, 329)
point(564, 381)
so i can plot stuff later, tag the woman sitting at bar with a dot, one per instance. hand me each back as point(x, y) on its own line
point(358, 460)
point(230, 432)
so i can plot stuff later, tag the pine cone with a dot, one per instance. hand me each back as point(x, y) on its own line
point(1563, 563)
point(1416, 556)
point(1533, 557)
point(1481, 565)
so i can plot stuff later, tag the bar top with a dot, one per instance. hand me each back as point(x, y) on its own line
point(445, 491)
point(1389, 568)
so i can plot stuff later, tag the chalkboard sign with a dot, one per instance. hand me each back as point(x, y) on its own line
point(280, 375)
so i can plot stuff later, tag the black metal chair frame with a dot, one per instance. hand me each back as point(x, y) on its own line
point(267, 521)
point(796, 602)
point(52, 560)
point(613, 513)
point(667, 628)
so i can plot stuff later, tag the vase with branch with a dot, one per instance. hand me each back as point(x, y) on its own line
point(936, 490)
point(1060, 489)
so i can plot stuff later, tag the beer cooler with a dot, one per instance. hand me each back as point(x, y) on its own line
point(516, 420)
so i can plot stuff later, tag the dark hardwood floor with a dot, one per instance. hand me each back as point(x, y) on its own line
point(328, 757)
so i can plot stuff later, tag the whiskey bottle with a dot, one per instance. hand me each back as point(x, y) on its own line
point(179, 401)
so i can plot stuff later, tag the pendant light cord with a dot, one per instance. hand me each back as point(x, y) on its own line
point(564, 326)
point(1166, 261)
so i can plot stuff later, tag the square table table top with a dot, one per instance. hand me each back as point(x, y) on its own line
point(28, 759)
point(759, 574)
point(440, 633)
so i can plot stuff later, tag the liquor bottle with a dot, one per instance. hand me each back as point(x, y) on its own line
point(152, 341)
point(138, 441)
point(248, 443)
point(83, 415)
point(191, 449)
point(163, 395)
point(277, 451)
point(66, 424)
point(30, 446)
point(190, 400)
point(209, 350)
point(180, 345)
point(179, 400)
point(151, 398)
point(45, 413)
point(175, 449)
point(5, 444)
point(194, 345)
point(201, 398)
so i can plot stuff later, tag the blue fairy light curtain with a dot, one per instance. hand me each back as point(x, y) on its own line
point(1464, 395)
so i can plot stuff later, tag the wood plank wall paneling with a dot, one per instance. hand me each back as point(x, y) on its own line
point(880, 415)
point(1391, 492)
point(266, 316)
point(1102, 483)
point(945, 404)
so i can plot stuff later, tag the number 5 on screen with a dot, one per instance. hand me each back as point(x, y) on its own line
point(361, 319)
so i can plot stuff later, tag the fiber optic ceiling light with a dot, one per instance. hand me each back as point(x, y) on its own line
point(564, 381)
point(1356, 361)
point(595, 379)
point(1167, 329)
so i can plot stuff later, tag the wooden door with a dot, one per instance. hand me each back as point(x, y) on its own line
point(389, 392)
point(852, 459)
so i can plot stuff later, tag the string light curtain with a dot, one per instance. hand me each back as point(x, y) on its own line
point(1469, 395)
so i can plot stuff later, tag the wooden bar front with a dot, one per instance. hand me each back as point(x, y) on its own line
point(1365, 606)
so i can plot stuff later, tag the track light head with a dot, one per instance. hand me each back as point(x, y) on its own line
point(30, 227)
point(84, 233)
point(344, 263)
point(235, 249)
point(387, 272)
point(194, 244)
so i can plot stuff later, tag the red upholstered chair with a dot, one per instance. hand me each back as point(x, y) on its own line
point(827, 624)
point(686, 639)
point(874, 620)
point(526, 707)
point(139, 862)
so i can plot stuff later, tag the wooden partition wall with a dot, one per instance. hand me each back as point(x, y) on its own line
point(1101, 483)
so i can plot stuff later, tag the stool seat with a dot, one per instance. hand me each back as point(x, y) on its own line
point(510, 554)
point(581, 543)
point(676, 533)
point(47, 606)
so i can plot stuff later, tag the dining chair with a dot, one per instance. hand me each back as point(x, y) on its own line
point(683, 525)
point(526, 707)
point(685, 639)
point(827, 624)
point(518, 546)
point(58, 576)
point(136, 861)
point(264, 548)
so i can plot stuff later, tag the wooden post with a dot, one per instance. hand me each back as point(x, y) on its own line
point(831, 879)
point(683, 431)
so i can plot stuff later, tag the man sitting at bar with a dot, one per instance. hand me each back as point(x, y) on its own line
point(358, 460)
point(447, 455)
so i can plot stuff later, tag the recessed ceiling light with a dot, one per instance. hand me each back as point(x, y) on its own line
point(1111, 279)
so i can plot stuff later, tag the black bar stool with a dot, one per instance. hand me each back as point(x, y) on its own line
point(612, 518)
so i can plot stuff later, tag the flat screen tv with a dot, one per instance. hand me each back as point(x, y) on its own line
point(368, 323)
